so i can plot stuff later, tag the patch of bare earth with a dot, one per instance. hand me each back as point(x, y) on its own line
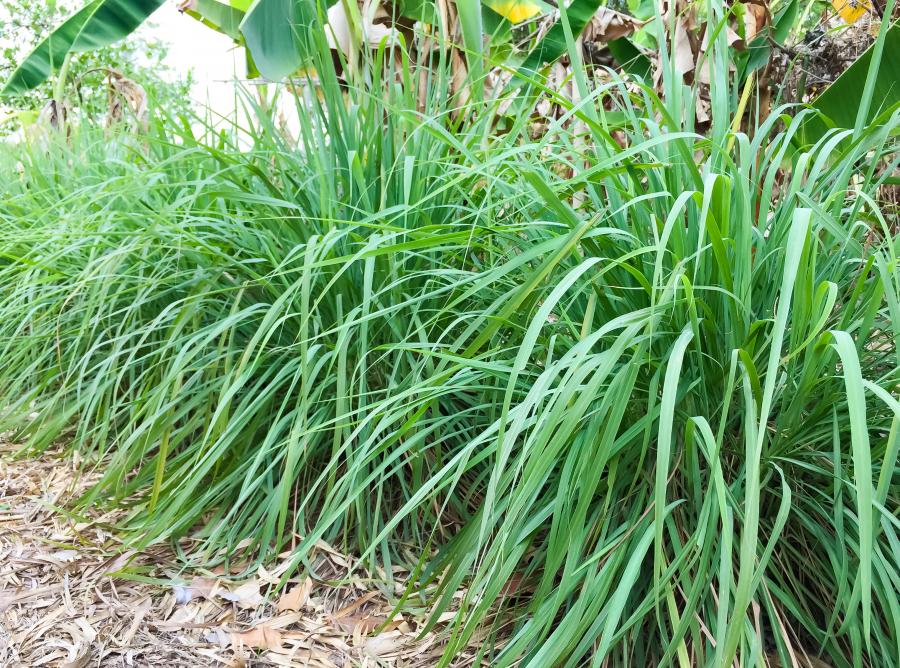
point(63, 604)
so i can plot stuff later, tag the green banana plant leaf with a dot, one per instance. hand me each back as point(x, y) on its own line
point(839, 103)
point(417, 10)
point(785, 19)
point(97, 24)
point(276, 34)
point(223, 17)
point(630, 58)
point(553, 45)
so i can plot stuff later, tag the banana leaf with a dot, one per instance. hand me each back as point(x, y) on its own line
point(277, 34)
point(630, 58)
point(784, 21)
point(840, 102)
point(97, 24)
point(553, 44)
point(612, 28)
point(417, 10)
point(223, 17)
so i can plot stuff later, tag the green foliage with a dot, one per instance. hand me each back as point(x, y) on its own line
point(840, 103)
point(554, 43)
point(99, 23)
point(23, 23)
point(220, 16)
point(276, 33)
point(649, 376)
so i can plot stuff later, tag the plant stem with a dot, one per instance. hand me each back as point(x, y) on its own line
point(60, 86)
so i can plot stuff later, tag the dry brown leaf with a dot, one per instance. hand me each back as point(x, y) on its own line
point(246, 596)
point(64, 556)
point(124, 93)
point(445, 617)
point(117, 563)
point(262, 572)
point(261, 637)
point(734, 40)
point(80, 661)
point(684, 53)
point(702, 110)
point(53, 115)
point(295, 599)
point(54, 613)
point(385, 644)
point(607, 25)
point(760, 14)
point(183, 617)
point(198, 588)
point(459, 77)
point(359, 624)
point(347, 609)
point(7, 598)
point(140, 612)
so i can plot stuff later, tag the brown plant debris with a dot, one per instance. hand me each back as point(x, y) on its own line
point(67, 600)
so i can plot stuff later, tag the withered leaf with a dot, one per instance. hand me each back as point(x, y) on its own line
point(260, 637)
point(295, 599)
point(607, 25)
point(246, 596)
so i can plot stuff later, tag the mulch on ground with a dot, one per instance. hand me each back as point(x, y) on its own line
point(63, 604)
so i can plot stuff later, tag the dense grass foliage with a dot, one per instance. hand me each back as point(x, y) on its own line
point(631, 388)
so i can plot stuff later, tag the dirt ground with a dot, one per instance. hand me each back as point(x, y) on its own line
point(62, 603)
